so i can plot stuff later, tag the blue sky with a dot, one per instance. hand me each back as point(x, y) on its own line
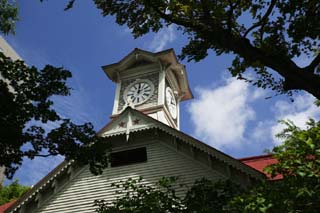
point(225, 113)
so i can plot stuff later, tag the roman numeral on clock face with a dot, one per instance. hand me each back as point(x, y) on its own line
point(139, 92)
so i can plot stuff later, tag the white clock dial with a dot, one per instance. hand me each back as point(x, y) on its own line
point(171, 102)
point(138, 92)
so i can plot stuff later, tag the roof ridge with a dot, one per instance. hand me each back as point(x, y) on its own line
point(255, 157)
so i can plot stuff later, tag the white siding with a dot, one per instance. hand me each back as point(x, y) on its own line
point(78, 195)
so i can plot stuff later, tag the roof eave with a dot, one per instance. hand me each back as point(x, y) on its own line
point(167, 56)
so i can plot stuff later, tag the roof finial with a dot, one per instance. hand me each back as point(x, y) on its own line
point(137, 55)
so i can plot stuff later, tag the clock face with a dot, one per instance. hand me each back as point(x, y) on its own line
point(138, 92)
point(171, 102)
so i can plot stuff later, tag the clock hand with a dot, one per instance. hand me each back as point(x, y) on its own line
point(139, 88)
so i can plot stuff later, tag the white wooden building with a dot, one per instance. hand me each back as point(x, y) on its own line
point(144, 131)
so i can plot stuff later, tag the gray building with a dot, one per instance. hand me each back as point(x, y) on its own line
point(8, 51)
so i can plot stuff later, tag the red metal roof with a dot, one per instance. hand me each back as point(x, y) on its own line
point(6, 206)
point(260, 162)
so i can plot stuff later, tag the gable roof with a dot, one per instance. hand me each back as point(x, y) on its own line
point(124, 124)
point(39, 186)
point(129, 122)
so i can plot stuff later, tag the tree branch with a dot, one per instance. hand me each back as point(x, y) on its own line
point(205, 10)
point(170, 18)
point(230, 13)
point(313, 64)
point(38, 155)
point(263, 19)
point(294, 76)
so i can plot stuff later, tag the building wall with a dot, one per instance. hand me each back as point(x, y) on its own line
point(8, 50)
point(79, 194)
point(2, 176)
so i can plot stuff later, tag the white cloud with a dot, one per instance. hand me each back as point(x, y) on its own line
point(260, 133)
point(298, 112)
point(225, 117)
point(162, 38)
point(220, 115)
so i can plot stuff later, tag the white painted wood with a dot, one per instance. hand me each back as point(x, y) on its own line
point(116, 99)
point(154, 115)
point(162, 80)
point(140, 71)
point(178, 113)
point(78, 195)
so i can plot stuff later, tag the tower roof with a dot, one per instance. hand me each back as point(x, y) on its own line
point(167, 59)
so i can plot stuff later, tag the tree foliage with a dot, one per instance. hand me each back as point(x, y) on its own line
point(299, 163)
point(140, 196)
point(299, 155)
point(8, 16)
point(26, 105)
point(211, 196)
point(12, 192)
point(134, 195)
point(264, 35)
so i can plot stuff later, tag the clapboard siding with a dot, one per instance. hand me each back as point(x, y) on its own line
point(79, 194)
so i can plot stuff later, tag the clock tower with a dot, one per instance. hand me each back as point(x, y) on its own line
point(153, 83)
